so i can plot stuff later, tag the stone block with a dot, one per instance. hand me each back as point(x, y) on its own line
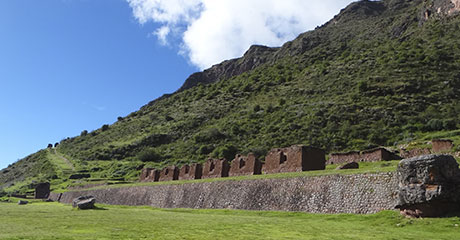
point(42, 190)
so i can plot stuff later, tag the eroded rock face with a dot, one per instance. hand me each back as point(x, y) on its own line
point(84, 202)
point(429, 185)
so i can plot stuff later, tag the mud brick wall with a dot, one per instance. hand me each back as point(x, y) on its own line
point(245, 165)
point(442, 145)
point(215, 168)
point(149, 175)
point(414, 152)
point(339, 158)
point(169, 174)
point(361, 193)
point(190, 172)
point(294, 159)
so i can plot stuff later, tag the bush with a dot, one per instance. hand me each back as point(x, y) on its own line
point(84, 133)
point(227, 151)
point(105, 127)
point(149, 155)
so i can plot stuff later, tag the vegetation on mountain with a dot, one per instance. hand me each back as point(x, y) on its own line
point(379, 73)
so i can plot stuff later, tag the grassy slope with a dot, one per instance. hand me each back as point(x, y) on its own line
point(56, 221)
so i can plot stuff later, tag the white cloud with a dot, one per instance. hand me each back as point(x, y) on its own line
point(215, 30)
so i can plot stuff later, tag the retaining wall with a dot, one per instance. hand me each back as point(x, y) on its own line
point(361, 193)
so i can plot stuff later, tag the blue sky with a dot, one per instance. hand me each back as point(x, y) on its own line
point(73, 65)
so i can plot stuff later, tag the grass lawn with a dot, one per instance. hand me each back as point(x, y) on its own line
point(57, 221)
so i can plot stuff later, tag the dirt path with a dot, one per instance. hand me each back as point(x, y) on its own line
point(65, 160)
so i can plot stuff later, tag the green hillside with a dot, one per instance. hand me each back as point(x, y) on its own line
point(379, 73)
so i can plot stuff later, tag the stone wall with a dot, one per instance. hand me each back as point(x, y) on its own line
point(215, 168)
point(169, 174)
point(440, 145)
point(414, 152)
point(294, 159)
point(339, 158)
point(245, 165)
point(149, 175)
point(371, 155)
point(191, 172)
point(361, 193)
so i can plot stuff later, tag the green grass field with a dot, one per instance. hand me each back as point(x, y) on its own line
point(57, 221)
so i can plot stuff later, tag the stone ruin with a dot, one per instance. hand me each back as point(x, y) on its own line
point(414, 152)
point(149, 175)
point(438, 146)
point(294, 159)
point(42, 190)
point(169, 174)
point(371, 155)
point(215, 168)
point(429, 186)
point(191, 172)
point(442, 145)
point(245, 165)
point(340, 158)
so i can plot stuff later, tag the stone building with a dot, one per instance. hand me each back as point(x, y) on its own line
point(190, 172)
point(442, 145)
point(294, 159)
point(245, 165)
point(371, 155)
point(378, 154)
point(149, 175)
point(339, 158)
point(215, 168)
point(169, 174)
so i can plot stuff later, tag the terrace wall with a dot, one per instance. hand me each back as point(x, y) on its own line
point(360, 193)
point(191, 172)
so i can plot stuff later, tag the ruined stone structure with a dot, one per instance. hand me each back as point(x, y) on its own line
point(378, 154)
point(442, 145)
point(339, 158)
point(42, 190)
point(191, 172)
point(245, 165)
point(169, 174)
point(149, 175)
point(294, 159)
point(215, 168)
point(372, 155)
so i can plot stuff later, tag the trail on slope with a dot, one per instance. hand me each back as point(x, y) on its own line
point(62, 161)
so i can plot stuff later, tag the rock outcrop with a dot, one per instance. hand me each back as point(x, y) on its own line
point(429, 186)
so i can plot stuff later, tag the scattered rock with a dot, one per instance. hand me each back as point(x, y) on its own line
point(84, 202)
point(22, 202)
point(352, 165)
point(428, 186)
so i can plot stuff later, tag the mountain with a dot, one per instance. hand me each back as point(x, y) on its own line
point(378, 73)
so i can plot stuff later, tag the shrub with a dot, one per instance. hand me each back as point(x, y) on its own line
point(227, 151)
point(149, 155)
point(105, 127)
point(84, 133)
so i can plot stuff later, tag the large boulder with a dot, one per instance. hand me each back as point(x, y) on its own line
point(351, 165)
point(42, 190)
point(84, 202)
point(429, 186)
